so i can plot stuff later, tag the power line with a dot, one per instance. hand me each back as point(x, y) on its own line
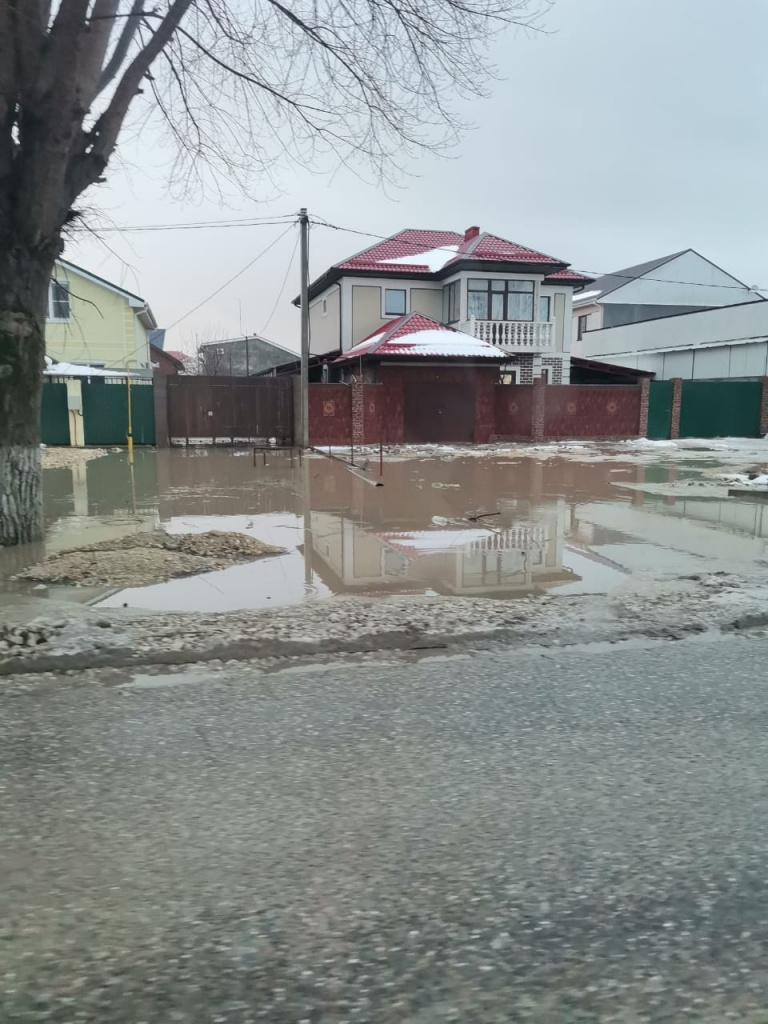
point(247, 222)
point(282, 286)
point(231, 279)
point(588, 273)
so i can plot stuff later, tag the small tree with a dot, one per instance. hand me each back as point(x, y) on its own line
point(237, 85)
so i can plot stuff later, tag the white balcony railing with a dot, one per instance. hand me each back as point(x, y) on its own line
point(513, 335)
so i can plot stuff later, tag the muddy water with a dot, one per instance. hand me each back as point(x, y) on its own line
point(557, 525)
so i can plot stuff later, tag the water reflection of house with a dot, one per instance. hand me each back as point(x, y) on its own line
point(451, 559)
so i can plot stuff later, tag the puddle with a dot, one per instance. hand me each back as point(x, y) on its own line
point(557, 525)
point(162, 682)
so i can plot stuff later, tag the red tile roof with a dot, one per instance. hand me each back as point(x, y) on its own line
point(491, 247)
point(569, 276)
point(415, 243)
point(419, 336)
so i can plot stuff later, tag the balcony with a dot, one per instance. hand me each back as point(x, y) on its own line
point(513, 335)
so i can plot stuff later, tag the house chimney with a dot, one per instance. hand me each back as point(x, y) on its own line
point(471, 233)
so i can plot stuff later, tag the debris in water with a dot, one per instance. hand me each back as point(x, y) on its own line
point(145, 558)
point(58, 458)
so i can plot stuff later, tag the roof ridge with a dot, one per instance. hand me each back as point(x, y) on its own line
point(519, 245)
point(394, 325)
point(475, 242)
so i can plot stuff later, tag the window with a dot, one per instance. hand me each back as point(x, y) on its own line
point(325, 307)
point(582, 327)
point(508, 376)
point(545, 376)
point(58, 301)
point(451, 295)
point(545, 303)
point(500, 300)
point(394, 301)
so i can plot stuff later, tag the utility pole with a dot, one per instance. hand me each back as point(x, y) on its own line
point(304, 299)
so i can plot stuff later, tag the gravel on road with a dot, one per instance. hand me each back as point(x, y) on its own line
point(74, 638)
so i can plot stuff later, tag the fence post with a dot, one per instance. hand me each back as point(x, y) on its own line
point(645, 401)
point(75, 412)
point(538, 409)
point(358, 414)
point(764, 407)
point(677, 401)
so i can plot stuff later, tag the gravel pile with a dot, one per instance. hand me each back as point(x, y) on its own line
point(58, 458)
point(18, 640)
point(146, 558)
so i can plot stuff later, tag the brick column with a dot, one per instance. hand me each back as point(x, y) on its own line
point(358, 414)
point(645, 397)
point(677, 400)
point(537, 409)
point(764, 407)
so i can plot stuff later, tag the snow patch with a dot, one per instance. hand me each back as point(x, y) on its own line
point(746, 480)
point(435, 259)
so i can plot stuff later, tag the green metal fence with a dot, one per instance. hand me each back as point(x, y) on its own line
point(105, 412)
point(54, 414)
point(660, 409)
point(720, 408)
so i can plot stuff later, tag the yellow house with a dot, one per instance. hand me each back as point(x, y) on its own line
point(93, 321)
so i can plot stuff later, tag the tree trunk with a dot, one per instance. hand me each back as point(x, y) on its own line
point(23, 300)
point(21, 495)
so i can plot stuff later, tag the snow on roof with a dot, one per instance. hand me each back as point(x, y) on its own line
point(586, 296)
point(434, 259)
point(414, 251)
point(419, 336)
point(59, 369)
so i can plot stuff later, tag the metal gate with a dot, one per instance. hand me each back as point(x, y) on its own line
point(210, 410)
point(660, 410)
point(54, 414)
point(436, 411)
point(720, 408)
point(105, 411)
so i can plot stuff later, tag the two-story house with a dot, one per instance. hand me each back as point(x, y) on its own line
point(513, 297)
point(92, 321)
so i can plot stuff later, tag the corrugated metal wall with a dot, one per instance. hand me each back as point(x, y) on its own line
point(54, 414)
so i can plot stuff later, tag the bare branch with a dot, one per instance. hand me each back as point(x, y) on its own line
point(99, 32)
point(108, 126)
point(122, 46)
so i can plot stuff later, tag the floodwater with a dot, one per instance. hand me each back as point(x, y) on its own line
point(495, 526)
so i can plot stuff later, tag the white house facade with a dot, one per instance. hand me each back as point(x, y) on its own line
point(681, 283)
point(513, 297)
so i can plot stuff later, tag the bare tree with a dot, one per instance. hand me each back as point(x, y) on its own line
point(207, 357)
point(237, 84)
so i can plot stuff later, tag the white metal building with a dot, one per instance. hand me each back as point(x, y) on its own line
point(727, 343)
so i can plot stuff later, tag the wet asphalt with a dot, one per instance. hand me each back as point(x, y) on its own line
point(539, 836)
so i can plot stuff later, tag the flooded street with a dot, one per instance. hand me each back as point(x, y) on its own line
point(496, 525)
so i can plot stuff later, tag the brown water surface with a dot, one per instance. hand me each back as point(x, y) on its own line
point(558, 525)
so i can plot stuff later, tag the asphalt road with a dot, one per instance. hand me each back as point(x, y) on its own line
point(552, 836)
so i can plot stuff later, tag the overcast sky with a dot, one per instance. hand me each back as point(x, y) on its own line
point(633, 130)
